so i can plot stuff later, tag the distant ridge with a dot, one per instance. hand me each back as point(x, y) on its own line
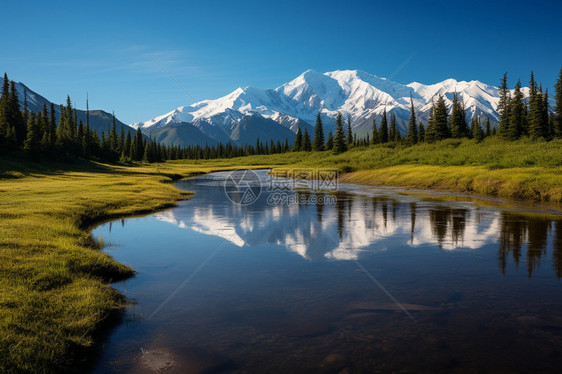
point(358, 95)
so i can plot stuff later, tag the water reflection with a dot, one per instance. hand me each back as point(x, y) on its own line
point(282, 294)
point(357, 223)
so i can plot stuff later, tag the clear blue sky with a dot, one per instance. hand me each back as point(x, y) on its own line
point(213, 47)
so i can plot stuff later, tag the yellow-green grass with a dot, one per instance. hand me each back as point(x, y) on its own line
point(54, 282)
point(514, 170)
point(536, 184)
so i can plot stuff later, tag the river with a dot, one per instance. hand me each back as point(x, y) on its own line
point(354, 279)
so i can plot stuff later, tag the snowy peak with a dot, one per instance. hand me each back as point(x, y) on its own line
point(360, 96)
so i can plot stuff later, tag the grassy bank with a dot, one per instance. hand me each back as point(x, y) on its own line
point(54, 282)
point(514, 170)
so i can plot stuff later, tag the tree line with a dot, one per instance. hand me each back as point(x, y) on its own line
point(517, 119)
point(42, 137)
point(39, 134)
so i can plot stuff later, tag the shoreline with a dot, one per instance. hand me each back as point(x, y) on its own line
point(67, 263)
point(472, 181)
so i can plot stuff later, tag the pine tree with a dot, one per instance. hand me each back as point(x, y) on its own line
point(440, 117)
point(52, 129)
point(375, 132)
point(147, 152)
point(383, 134)
point(15, 117)
point(4, 109)
point(488, 128)
point(25, 112)
point(349, 134)
point(516, 115)
point(421, 133)
point(476, 129)
point(558, 106)
point(503, 106)
point(459, 127)
point(339, 138)
point(412, 125)
point(548, 134)
point(392, 130)
point(437, 124)
point(330, 141)
point(318, 142)
point(87, 143)
point(535, 117)
point(114, 136)
point(137, 147)
point(121, 141)
point(307, 146)
point(32, 143)
point(297, 145)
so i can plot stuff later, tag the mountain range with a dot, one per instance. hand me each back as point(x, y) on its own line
point(99, 119)
point(276, 114)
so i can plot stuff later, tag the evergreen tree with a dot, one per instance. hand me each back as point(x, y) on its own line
point(547, 131)
point(114, 136)
point(421, 133)
point(330, 141)
point(441, 118)
point(5, 110)
point(558, 106)
point(15, 117)
point(25, 109)
point(375, 132)
point(297, 145)
point(32, 143)
point(383, 134)
point(137, 147)
point(318, 143)
point(412, 125)
point(87, 143)
point(52, 128)
point(535, 117)
point(307, 146)
point(349, 133)
point(488, 128)
point(339, 138)
point(392, 129)
point(437, 128)
point(459, 127)
point(503, 106)
point(80, 139)
point(516, 115)
point(477, 132)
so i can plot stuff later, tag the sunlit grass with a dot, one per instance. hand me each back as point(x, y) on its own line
point(515, 170)
point(55, 283)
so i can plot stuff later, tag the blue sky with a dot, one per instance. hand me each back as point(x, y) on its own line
point(109, 49)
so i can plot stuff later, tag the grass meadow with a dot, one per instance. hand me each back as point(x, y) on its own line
point(55, 284)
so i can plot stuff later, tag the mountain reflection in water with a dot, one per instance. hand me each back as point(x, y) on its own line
point(357, 223)
point(285, 288)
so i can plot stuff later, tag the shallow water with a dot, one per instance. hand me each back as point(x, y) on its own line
point(372, 281)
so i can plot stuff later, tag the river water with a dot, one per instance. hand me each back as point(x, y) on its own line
point(371, 280)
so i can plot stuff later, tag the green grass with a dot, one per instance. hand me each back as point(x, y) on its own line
point(54, 282)
point(55, 288)
point(515, 170)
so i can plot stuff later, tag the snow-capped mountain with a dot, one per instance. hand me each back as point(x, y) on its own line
point(357, 95)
